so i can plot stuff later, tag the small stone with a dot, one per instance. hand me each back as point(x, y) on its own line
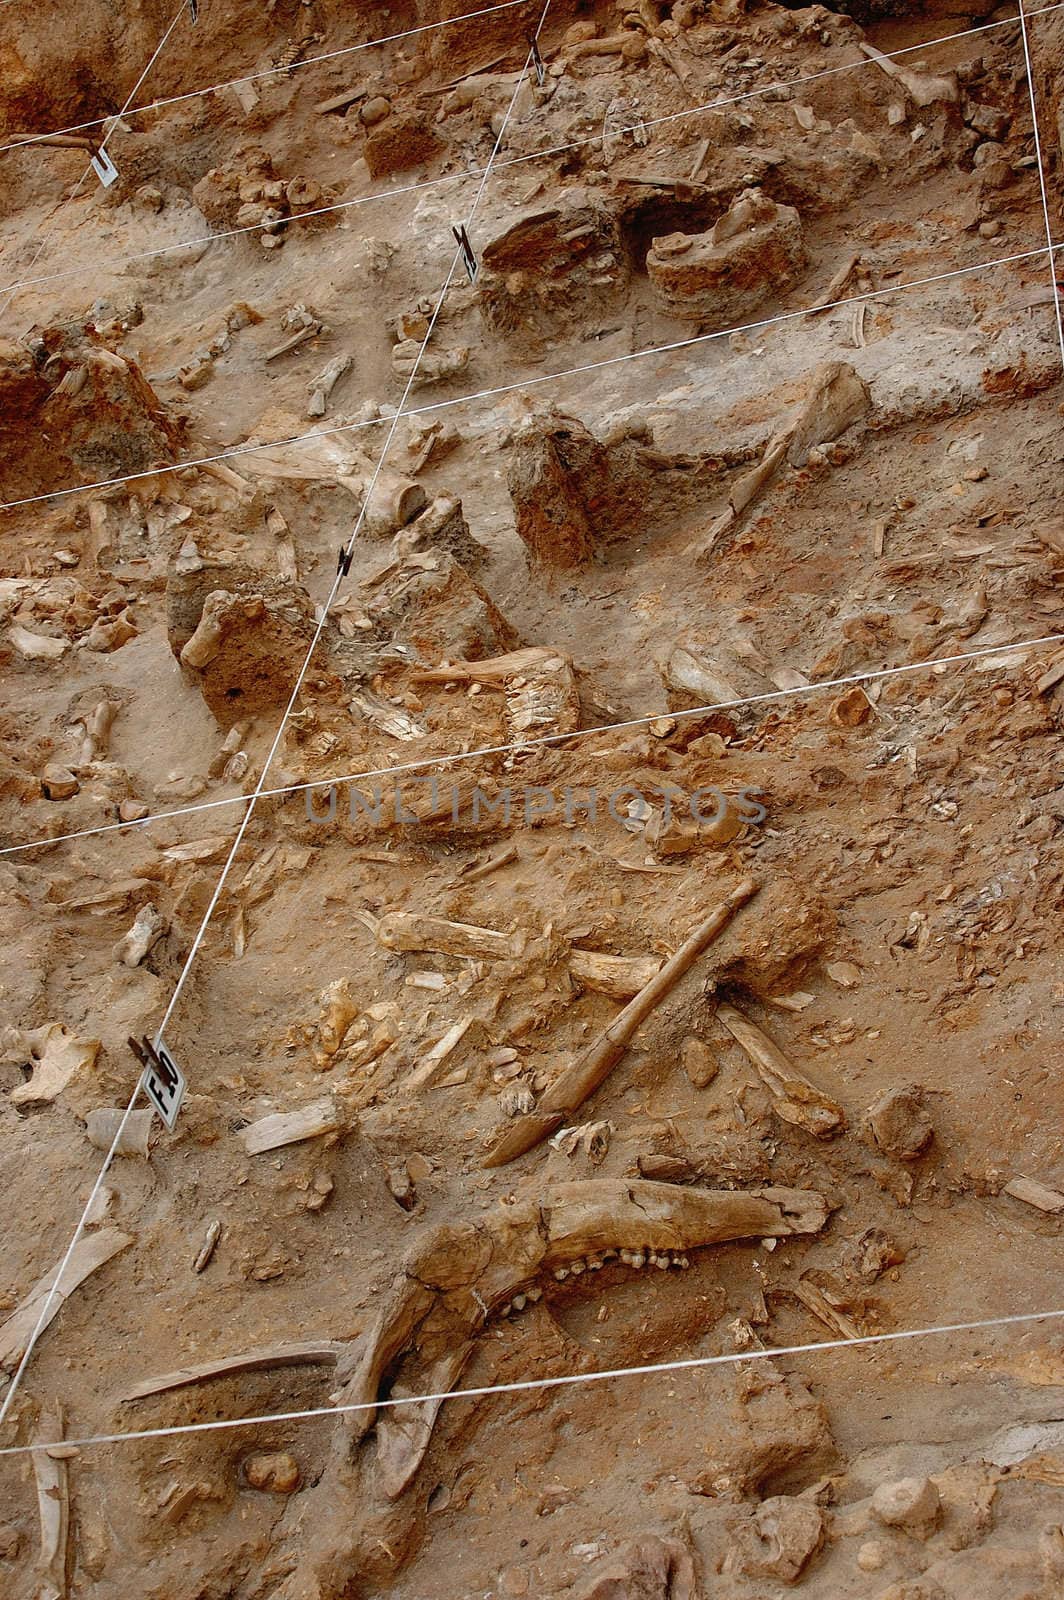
point(66, 558)
point(149, 197)
point(375, 110)
point(989, 229)
point(276, 1473)
point(699, 1061)
point(844, 973)
point(851, 709)
point(58, 783)
point(899, 1124)
point(131, 811)
point(871, 1557)
point(271, 241)
point(976, 474)
point(513, 1581)
point(909, 1503)
point(991, 122)
point(791, 1531)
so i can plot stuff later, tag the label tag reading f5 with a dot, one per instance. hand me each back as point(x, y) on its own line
point(164, 1084)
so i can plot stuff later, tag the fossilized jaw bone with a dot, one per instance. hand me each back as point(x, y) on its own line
point(426, 1330)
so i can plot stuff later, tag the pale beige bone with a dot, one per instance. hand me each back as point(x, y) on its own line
point(323, 385)
point(454, 1280)
point(339, 1010)
point(923, 88)
point(836, 284)
point(57, 1056)
point(96, 739)
point(497, 669)
point(102, 1124)
point(407, 930)
point(621, 977)
point(594, 1064)
point(52, 1474)
point(795, 1099)
point(320, 1352)
point(835, 400)
point(1036, 1194)
point(149, 926)
point(291, 1127)
point(394, 500)
point(89, 1254)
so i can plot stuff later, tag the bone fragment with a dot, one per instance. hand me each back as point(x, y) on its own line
point(323, 385)
point(97, 736)
point(290, 1127)
point(102, 1124)
point(90, 1253)
point(406, 930)
point(1035, 1194)
point(56, 1056)
point(51, 1471)
point(923, 88)
point(149, 926)
point(207, 1248)
point(312, 1353)
point(796, 1100)
point(621, 977)
point(836, 285)
point(594, 1064)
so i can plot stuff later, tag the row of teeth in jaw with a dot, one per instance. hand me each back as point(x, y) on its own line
point(662, 1259)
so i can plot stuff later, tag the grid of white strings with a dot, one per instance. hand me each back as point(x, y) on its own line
point(49, 1299)
point(566, 1379)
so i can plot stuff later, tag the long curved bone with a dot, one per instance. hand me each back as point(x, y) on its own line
point(426, 1330)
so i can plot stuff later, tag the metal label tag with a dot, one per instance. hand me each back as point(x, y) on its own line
point(104, 168)
point(164, 1084)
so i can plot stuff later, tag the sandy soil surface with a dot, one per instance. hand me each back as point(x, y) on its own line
point(624, 988)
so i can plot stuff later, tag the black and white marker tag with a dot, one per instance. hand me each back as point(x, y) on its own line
point(193, 10)
point(104, 168)
point(537, 62)
point(469, 260)
point(163, 1081)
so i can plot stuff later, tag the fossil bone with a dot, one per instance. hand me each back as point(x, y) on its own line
point(591, 1068)
point(795, 1099)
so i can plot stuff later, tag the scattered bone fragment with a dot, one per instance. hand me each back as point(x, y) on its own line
point(923, 88)
point(795, 1099)
point(593, 1138)
point(834, 1318)
point(594, 1064)
point(102, 1124)
point(291, 1127)
point(836, 398)
point(57, 1058)
point(308, 1353)
point(898, 1123)
point(1035, 1194)
point(97, 736)
point(149, 926)
point(51, 1470)
point(648, 1568)
point(339, 1010)
point(322, 386)
point(783, 1536)
point(37, 646)
point(406, 930)
point(621, 977)
point(90, 1253)
point(206, 1250)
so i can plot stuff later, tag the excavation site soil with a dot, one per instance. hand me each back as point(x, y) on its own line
point(532, 634)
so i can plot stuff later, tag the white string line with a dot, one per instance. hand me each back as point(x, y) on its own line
point(542, 741)
point(253, 798)
point(525, 1385)
point(1042, 180)
point(534, 380)
point(537, 155)
point(267, 72)
point(49, 224)
point(50, 1297)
